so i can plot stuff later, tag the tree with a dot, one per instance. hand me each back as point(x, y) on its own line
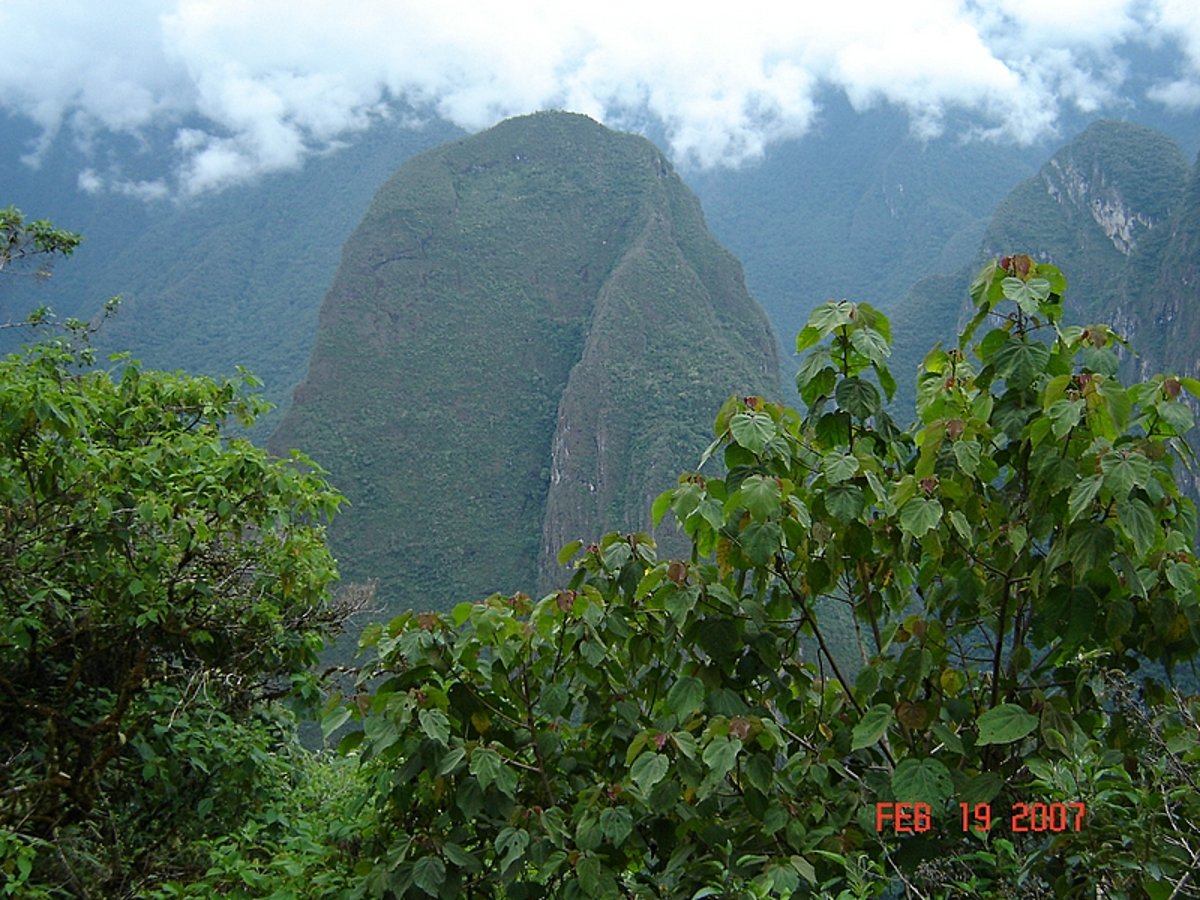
point(31, 248)
point(1011, 566)
point(32, 245)
point(162, 585)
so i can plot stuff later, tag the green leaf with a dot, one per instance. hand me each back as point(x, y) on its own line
point(752, 430)
point(1029, 295)
point(588, 834)
point(815, 386)
point(1065, 415)
point(919, 515)
point(815, 365)
point(711, 511)
point(760, 772)
point(1182, 577)
point(451, 759)
point(1101, 361)
point(858, 397)
point(871, 344)
point(1177, 415)
point(873, 725)
point(649, 769)
point(839, 465)
point(685, 696)
point(886, 381)
point(1081, 496)
point(568, 551)
point(1138, 521)
point(1119, 617)
point(1123, 471)
point(510, 844)
point(429, 873)
point(760, 495)
point(845, 501)
point(616, 823)
point(486, 766)
point(1017, 537)
point(808, 336)
point(435, 725)
point(461, 857)
point(760, 541)
point(554, 699)
point(1191, 385)
point(830, 315)
point(1004, 724)
point(589, 870)
point(922, 781)
point(966, 453)
point(982, 788)
point(721, 753)
point(334, 719)
point(1020, 361)
point(658, 509)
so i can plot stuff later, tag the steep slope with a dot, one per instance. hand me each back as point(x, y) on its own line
point(860, 208)
point(234, 278)
point(1163, 310)
point(1101, 208)
point(526, 339)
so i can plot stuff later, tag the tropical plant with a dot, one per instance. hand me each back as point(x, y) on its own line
point(162, 586)
point(1017, 565)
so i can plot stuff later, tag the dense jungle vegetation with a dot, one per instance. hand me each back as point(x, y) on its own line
point(1015, 563)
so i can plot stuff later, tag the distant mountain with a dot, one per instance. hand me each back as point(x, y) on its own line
point(527, 339)
point(1106, 208)
point(234, 278)
point(858, 208)
point(1162, 310)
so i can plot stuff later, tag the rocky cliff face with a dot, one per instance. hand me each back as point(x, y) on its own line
point(527, 339)
point(1104, 209)
point(1099, 209)
point(1161, 314)
point(1091, 191)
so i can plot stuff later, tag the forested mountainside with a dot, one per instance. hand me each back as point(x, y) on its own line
point(860, 208)
point(525, 342)
point(1109, 208)
point(212, 282)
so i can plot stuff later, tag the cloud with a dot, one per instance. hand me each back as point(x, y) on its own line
point(249, 88)
point(1180, 20)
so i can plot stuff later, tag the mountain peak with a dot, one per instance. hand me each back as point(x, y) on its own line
point(525, 342)
point(1113, 172)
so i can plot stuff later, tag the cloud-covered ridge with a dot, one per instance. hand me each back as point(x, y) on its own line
point(248, 88)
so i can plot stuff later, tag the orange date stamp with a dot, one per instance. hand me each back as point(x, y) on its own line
point(917, 818)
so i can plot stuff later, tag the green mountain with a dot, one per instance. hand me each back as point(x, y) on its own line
point(525, 341)
point(1103, 209)
point(212, 282)
point(858, 208)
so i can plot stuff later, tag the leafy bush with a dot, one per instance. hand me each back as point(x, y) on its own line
point(160, 584)
point(657, 729)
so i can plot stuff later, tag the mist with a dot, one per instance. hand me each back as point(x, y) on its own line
point(246, 89)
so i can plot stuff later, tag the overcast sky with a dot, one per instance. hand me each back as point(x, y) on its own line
point(261, 84)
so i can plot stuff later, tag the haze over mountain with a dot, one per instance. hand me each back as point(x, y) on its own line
point(1118, 210)
point(525, 342)
point(228, 91)
point(217, 178)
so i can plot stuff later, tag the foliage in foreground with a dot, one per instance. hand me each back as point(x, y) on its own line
point(655, 728)
point(673, 728)
point(161, 585)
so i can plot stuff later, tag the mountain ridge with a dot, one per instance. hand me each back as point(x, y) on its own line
point(502, 360)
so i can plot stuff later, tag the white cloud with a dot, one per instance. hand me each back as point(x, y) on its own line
point(257, 87)
point(1180, 20)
